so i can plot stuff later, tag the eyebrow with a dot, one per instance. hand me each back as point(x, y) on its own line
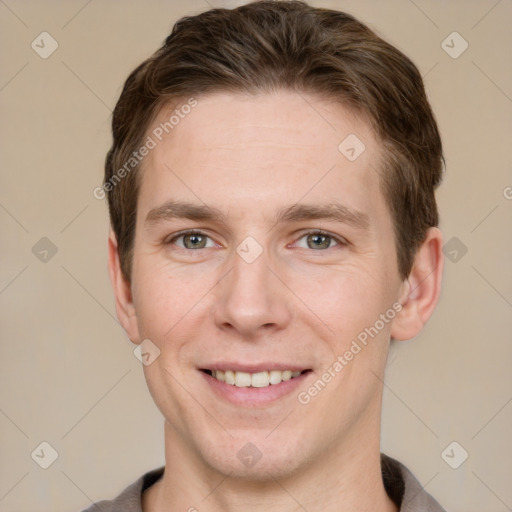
point(297, 212)
point(331, 211)
point(183, 210)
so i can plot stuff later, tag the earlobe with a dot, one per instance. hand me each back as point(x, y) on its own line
point(122, 291)
point(421, 290)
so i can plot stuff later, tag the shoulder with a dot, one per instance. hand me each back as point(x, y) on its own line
point(130, 500)
point(403, 487)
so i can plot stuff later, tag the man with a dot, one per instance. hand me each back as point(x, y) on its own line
point(271, 193)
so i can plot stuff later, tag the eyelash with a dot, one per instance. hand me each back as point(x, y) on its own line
point(339, 241)
point(181, 234)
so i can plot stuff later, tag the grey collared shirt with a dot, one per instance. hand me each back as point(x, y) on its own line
point(400, 484)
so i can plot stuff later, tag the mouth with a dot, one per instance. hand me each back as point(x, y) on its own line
point(260, 379)
point(254, 385)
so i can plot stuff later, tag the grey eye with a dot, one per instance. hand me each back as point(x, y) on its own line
point(319, 241)
point(194, 241)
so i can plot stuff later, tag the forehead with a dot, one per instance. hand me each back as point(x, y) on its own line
point(228, 121)
point(234, 150)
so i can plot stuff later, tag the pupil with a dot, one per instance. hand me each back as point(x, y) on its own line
point(195, 240)
point(319, 241)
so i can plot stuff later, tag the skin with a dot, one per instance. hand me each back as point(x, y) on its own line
point(250, 157)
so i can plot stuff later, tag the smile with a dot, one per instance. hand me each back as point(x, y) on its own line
point(255, 380)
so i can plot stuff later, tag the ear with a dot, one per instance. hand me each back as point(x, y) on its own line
point(420, 292)
point(122, 290)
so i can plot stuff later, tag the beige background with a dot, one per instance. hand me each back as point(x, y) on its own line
point(68, 374)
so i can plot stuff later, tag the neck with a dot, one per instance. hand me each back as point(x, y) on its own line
point(345, 478)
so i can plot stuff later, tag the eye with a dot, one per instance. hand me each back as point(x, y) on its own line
point(191, 240)
point(318, 240)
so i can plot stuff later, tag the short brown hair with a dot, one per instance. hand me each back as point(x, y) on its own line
point(269, 45)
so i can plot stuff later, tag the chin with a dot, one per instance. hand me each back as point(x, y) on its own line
point(260, 459)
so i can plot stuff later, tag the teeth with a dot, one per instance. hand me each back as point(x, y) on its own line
point(260, 380)
point(286, 375)
point(255, 380)
point(229, 377)
point(275, 376)
point(242, 379)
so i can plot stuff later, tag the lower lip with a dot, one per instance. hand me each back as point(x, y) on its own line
point(253, 397)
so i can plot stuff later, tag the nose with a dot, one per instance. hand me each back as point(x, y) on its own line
point(251, 300)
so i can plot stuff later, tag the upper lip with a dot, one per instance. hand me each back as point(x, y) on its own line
point(254, 368)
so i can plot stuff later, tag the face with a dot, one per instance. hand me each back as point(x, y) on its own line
point(262, 251)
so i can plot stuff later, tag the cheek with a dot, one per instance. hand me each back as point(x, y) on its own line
point(160, 300)
point(170, 302)
point(345, 299)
